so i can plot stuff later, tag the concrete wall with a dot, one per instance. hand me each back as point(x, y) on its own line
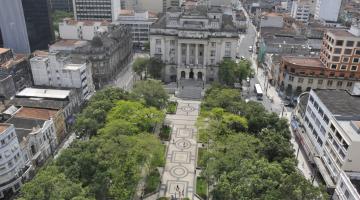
point(327, 10)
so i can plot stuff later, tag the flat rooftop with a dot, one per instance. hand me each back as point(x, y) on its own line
point(66, 43)
point(341, 33)
point(340, 102)
point(303, 61)
point(36, 113)
point(3, 127)
point(73, 66)
point(44, 93)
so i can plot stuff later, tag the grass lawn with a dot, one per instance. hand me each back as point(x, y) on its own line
point(171, 108)
point(201, 157)
point(165, 133)
point(201, 187)
point(152, 181)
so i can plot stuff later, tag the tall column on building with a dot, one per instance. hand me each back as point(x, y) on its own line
point(179, 54)
point(187, 53)
point(205, 53)
point(196, 54)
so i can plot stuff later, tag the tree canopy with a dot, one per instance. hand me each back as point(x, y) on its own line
point(231, 72)
point(152, 92)
point(249, 152)
point(152, 67)
point(109, 164)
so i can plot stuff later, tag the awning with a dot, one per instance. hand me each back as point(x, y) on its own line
point(324, 173)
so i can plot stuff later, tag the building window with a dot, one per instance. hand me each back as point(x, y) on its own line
point(347, 194)
point(310, 81)
point(339, 83)
point(350, 43)
point(358, 44)
point(346, 59)
point(320, 82)
point(213, 44)
point(300, 80)
point(343, 67)
point(172, 42)
point(332, 127)
point(337, 50)
point(212, 53)
point(291, 78)
point(227, 53)
point(357, 52)
point(333, 66)
point(349, 84)
point(158, 41)
point(339, 42)
point(228, 44)
point(355, 60)
point(336, 58)
point(311, 99)
point(329, 83)
point(347, 51)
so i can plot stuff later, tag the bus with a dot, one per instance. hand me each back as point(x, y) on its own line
point(258, 91)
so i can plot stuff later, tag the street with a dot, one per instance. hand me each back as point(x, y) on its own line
point(271, 99)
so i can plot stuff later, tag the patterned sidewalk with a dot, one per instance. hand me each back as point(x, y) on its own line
point(179, 178)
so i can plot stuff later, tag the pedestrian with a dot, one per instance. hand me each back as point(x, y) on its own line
point(183, 192)
point(173, 141)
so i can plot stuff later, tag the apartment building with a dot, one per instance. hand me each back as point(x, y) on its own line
point(300, 10)
point(192, 42)
point(332, 124)
point(15, 73)
point(59, 70)
point(70, 29)
point(13, 166)
point(337, 68)
point(341, 51)
point(96, 9)
point(327, 10)
point(139, 22)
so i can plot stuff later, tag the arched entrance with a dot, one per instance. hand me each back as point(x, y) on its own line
point(200, 76)
point(182, 74)
point(191, 75)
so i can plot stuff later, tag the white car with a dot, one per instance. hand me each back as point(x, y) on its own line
point(250, 48)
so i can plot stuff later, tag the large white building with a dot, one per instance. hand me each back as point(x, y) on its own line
point(327, 10)
point(332, 124)
point(193, 42)
point(81, 30)
point(139, 22)
point(13, 166)
point(300, 10)
point(96, 9)
point(57, 70)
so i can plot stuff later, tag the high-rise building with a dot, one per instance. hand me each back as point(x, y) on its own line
point(64, 5)
point(327, 10)
point(96, 9)
point(26, 25)
point(300, 10)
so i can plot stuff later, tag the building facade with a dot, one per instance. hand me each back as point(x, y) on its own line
point(96, 10)
point(300, 10)
point(108, 53)
point(332, 125)
point(327, 10)
point(139, 22)
point(81, 30)
point(13, 166)
point(15, 73)
point(59, 71)
point(63, 5)
point(193, 42)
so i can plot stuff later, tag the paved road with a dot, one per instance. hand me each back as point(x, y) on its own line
point(179, 177)
point(271, 101)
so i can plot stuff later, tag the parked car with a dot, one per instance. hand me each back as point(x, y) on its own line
point(250, 48)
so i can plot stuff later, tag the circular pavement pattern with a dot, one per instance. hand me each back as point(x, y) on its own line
point(187, 108)
point(179, 171)
point(183, 144)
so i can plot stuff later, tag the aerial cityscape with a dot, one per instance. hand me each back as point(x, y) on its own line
point(179, 99)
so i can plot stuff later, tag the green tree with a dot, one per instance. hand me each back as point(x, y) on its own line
point(231, 72)
point(152, 92)
point(51, 184)
point(155, 68)
point(140, 66)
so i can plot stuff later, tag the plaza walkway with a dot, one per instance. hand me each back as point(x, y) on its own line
point(179, 178)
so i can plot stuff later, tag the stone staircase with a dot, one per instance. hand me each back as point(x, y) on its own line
point(190, 93)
